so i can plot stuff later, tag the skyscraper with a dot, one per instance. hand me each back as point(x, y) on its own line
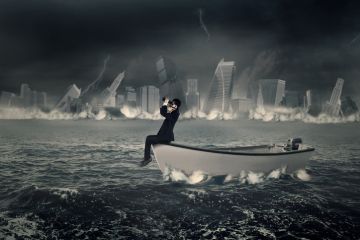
point(5, 99)
point(220, 90)
point(42, 99)
point(149, 99)
point(308, 99)
point(332, 107)
point(153, 99)
point(193, 96)
point(26, 95)
point(130, 97)
point(260, 99)
point(34, 98)
point(120, 100)
point(273, 91)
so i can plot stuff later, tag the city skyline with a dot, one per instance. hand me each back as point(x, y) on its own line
point(225, 95)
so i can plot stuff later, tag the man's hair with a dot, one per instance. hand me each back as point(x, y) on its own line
point(177, 102)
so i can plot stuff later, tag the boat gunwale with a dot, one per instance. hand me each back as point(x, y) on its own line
point(309, 149)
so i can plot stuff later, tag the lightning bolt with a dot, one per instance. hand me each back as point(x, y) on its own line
point(202, 24)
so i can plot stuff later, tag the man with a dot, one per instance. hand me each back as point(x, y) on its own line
point(169, 110)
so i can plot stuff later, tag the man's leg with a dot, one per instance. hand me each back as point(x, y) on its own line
point(151, 139)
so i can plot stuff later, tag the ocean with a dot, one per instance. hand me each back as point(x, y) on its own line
point(80, 179)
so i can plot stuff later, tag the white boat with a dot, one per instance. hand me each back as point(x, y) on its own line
point(224, 161)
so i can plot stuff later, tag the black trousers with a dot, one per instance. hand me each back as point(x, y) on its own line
point(152, 139)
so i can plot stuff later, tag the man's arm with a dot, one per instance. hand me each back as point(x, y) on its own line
point(163, 109)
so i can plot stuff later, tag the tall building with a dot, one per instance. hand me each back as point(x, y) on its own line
point(130, 97)
point(193, 96)
point(153, 99)
point(307, 102)
point(108, 95)
point(292, 99)
point(220, 90)
point(34, 98)
point(149, 99)
point(26, 95)
point(273, 91)
point(72, 92)
point(260, 99)
point(5, 99)
point(169, 82)
point(333, 106)
point(42, 99)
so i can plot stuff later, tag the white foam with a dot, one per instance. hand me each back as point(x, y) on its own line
point(64, 193)
point(284, 114)
point(275, 174)
point(302, 175)
point(21, 226)
point(178, 176)
point(253, 178)
point(35, 113)
point(244, 177)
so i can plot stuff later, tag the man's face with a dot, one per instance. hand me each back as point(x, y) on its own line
point(171, 107)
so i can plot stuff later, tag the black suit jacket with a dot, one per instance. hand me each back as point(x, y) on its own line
point(166, 131)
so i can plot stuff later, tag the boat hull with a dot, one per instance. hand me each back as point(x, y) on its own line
point(217, 163)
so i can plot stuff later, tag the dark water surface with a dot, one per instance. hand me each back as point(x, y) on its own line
point(80, 180)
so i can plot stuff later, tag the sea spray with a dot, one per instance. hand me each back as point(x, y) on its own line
point(275, 174)
point(302, 175)
point(284, 114)
point(178, 176)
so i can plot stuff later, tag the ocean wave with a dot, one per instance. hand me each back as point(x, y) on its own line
point(283, 114)
point(20, 227)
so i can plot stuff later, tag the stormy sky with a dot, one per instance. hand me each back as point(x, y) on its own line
point(51, 44)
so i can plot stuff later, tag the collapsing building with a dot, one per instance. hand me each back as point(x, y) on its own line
point(333, 106)
point(193, 97)
point(219, 97)
point(72, 93)
point(170, 84)
point(273, 91)
point(348, 106)
point(74, 101)
point(107, 97)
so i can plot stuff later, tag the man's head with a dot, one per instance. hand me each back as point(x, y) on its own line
point(176, 102)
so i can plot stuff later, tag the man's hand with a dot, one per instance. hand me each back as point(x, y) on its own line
point(165, 100)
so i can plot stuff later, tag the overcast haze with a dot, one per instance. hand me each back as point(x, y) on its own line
point(52, 44)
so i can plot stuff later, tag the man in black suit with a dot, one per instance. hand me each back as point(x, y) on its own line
point(169, 110)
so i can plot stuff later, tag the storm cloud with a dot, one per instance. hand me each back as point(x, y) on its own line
point(52, 44)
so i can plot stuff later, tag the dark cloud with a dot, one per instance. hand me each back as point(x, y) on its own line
point(51, 44)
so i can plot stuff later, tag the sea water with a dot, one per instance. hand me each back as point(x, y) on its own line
point(81, 180)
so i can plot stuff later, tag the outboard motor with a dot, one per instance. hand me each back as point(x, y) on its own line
point(293, 144)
